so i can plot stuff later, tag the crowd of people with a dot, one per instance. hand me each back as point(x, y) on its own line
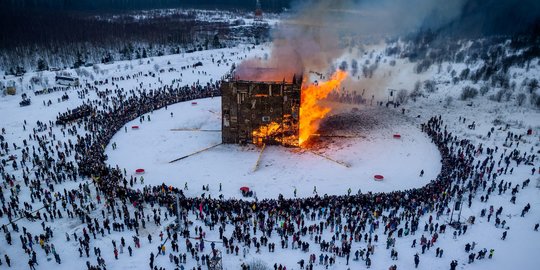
point(330, 228)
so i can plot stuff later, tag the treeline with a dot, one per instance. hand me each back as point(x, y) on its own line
point(55, 29)
point(488, 65)
point(496, 53)
point(40, 40)
point(118, 5)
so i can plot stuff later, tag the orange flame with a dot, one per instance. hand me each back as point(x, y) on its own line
point(274, 132)
point(260, 134)
point(311, 112)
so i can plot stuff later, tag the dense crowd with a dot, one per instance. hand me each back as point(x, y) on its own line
point(326, 228)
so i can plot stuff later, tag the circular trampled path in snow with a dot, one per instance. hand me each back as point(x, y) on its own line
point(370, 148)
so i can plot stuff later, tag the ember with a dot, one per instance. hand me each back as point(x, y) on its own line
point(274, 132)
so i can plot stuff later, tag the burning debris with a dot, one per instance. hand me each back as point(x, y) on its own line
point(274, 132)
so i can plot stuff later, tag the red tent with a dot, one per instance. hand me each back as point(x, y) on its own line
point(244, 189)
point(139, 171)
point(397, 136)
point(378, 177)
point(134, 127)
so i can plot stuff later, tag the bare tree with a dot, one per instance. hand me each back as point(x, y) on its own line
point(484, 89)
point(96, 68)
point(38, 41)
point(448, 101)
point(497, 96)
point(532, 85)
point(535, 100)
point(468, 93)
point(520, 99)
point(429, 85)
point(417, 92)
point(402, 96)
point(417, 85)
point(258, 264)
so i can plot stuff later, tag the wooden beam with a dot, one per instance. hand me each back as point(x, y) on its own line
point(259, 159)
point(195, 129)
point(194, 153)
point(336, 136)
point(331, 159)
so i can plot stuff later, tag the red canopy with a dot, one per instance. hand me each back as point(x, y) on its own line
point(378, 177)
point(244, 189)
point(139, 171)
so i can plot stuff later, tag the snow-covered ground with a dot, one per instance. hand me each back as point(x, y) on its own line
point(281, 170)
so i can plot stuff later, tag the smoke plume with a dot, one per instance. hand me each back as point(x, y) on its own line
point(315, 33)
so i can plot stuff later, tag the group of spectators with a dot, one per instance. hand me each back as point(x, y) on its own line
point(329, 229)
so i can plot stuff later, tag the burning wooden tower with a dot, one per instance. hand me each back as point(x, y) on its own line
point(261, 111)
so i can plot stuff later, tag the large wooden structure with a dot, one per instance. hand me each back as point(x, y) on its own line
point(261, 112)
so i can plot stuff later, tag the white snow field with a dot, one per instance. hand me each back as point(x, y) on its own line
point(281, 170)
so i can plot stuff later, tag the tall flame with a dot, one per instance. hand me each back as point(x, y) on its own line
point(311, 112)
